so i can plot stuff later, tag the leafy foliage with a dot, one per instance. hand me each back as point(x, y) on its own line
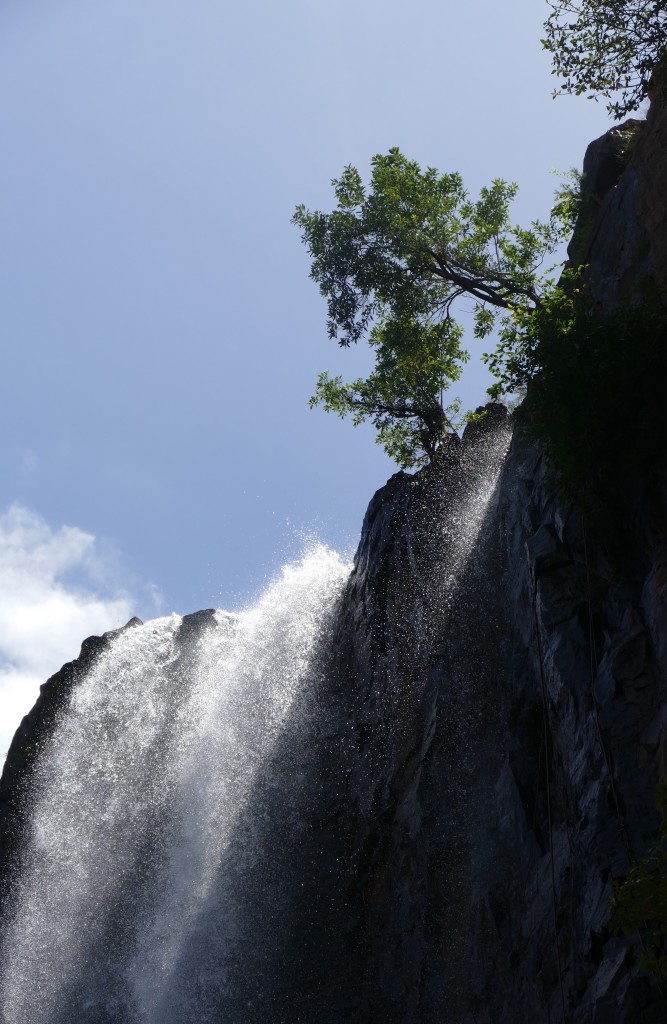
point(532, 339)
point(393, 260)
point(640, 901)
point(594, 389)
point(568, 203)
point(400, 396)
point(605, 47)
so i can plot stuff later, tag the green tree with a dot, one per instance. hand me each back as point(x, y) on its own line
point(393, 261)
point(606, 47)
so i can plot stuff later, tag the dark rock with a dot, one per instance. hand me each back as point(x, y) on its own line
point(467, 894)
point(621, 235)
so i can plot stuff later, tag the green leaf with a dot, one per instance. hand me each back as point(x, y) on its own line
point(394, 261)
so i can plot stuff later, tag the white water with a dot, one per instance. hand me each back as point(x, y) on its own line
point(461, 528)
point(138, 825)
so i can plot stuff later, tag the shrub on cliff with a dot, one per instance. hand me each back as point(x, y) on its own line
point(393, 260)
point(595, 389)
point(607, 47)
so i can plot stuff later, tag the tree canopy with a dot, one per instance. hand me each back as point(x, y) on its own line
point(394, 261)
point(607, 47)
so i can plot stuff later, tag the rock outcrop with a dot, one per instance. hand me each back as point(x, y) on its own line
point(622, 232)
point(507, 701)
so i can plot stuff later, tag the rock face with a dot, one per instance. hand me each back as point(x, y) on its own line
point(622, 232)
point(424, 705)
point(507, 701)
point(586, 740)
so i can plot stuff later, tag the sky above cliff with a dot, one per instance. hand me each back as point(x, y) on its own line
point(161, 337)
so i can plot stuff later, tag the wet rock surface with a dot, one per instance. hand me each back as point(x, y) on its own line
point(509, 708)
point(30, 737)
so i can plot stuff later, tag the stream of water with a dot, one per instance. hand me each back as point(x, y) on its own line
point(192, 816)
point(133, 905)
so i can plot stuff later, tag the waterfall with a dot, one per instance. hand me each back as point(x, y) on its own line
point(166, 802)
point(269, 817)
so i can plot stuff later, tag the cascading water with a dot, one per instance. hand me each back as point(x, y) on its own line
point(270, 817)
point(467, 619)
point(151, 888)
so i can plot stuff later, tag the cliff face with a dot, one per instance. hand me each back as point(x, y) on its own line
point(622, 231)
point(511, 711)
point(586, 742)
point(513, 723)
point(421, 646)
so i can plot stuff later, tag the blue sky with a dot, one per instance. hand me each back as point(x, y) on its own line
point(161, 337)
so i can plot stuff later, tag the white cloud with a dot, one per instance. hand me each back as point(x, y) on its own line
point(43, 615)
